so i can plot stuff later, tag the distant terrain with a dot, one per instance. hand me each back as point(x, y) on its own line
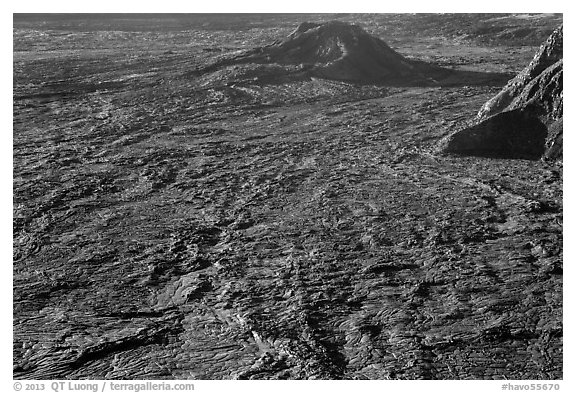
point(181, 214)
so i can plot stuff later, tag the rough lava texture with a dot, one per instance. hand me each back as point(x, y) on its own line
point(167, 229)
point(511, 123)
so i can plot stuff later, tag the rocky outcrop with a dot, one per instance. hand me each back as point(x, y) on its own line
point(539, 83)
point(554, 141)
point(530, 106)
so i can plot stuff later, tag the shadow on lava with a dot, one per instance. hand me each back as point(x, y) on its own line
point(341, 52)
point(456, 78)
point(243, 71)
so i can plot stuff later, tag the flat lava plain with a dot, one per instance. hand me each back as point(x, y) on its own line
point(173, 226)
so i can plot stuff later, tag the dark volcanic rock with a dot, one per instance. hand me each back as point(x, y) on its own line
point(554, 141)
point(512, 134)
point(525, 118)
point(539, 82)
point(544, 93)
point(339, 51)
point(164, 228)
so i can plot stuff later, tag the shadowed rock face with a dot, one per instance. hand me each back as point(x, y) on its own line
point(524, 120)
point(512, 134)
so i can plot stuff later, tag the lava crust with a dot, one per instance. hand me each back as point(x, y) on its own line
point(245, 223)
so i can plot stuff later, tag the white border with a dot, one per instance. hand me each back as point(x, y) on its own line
point(293, 6)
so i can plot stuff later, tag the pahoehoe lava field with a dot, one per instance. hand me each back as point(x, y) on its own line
point(263, 197)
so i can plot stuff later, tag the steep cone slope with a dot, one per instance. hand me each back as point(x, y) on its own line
point(339, 51)
point(533, 100)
